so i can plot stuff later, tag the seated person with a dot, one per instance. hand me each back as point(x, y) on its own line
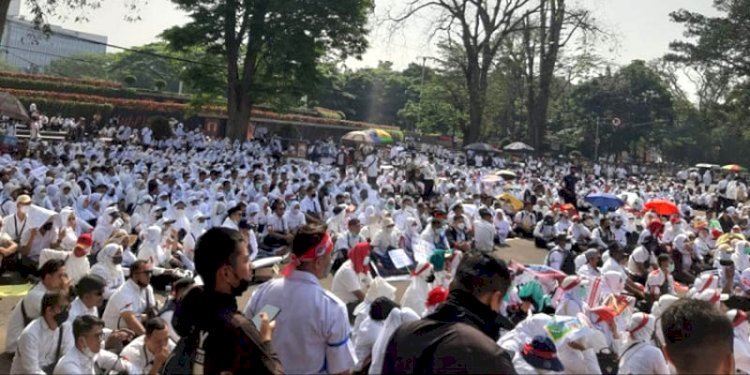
point(148, 353)
point(458, 236)
point(544, 232)
point(54, 278)
point(87, 355)
point(133, 303)
point(44, 341)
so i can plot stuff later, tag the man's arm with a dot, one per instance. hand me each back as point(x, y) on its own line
point(28, 353)
point(133, 323)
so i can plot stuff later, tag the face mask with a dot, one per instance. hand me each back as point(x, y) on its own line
point(61, 317)
point(88, 353)
point(241, 287)
point(462, 226)
point(568, 246)
point(747, 250)
point(180, 212)
point(117, 259)
point(671, 267)
point(79, 252)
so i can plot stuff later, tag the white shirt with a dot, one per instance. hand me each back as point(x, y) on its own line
point(130, 297)
point(140, 358)
point(312, 334)
point(371, 163)
point(310, 205)
point(15, 227)
point(37, 347)
point(643, 359)
point(277, 224)
point(229, 223)
point(33, 305)
point(348, 240)
point(75, 362)
point(346, 281)
point(484, 235)
point(295, 219)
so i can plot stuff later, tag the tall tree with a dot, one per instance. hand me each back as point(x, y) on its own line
point(545, 33)
point(270, 46)
point(480, 27)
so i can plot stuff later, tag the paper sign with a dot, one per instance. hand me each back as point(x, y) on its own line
point(399, 258)
point(559, 327)
point(422, 250)
point(37, 216)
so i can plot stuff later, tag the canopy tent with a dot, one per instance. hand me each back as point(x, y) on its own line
point(10, 106)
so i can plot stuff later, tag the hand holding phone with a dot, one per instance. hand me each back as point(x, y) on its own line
point(264, 321)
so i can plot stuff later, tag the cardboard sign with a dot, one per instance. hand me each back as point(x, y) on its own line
point(399, 258)
point(422, 250)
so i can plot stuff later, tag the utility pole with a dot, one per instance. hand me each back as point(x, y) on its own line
point(596, 141)
point(421, 89)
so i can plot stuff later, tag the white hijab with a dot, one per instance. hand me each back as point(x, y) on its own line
point(395, 319)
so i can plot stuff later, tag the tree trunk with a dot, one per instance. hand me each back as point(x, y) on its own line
point(476, 103)
point(4, 6)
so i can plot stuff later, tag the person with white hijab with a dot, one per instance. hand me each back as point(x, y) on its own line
point(396, 318)
point(640, 355)
point(415, 296)
point(371, 328)
point(741, 340)
point(572, 294)
point(656, 311)
point(67, 223)
point(109, 267)
point(76, 260)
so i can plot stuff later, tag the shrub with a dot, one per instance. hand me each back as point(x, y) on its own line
point(129, 80)
point(160, 126)
point(159, 85)
point(47, 78)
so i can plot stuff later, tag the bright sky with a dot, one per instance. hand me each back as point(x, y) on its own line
point(642, 28)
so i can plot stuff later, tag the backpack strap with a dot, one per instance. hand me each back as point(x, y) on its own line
point(59, 343)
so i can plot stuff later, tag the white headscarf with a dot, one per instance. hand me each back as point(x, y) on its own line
point(105, 268)
point(395, 319)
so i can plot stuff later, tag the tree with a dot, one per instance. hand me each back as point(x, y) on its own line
point(721, 42)
point(545, 33)
point(88, 65)
point(480, 27)
point(270, 47)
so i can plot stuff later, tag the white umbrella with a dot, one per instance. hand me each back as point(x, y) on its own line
point(518, 146)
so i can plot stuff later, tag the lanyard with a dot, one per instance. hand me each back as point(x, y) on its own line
point(15, 221)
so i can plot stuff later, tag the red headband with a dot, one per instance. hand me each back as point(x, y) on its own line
point(419, 271)
point(324, 247)
point(708, 282)
point(572, 285)
point(530, 350)
point(640, 325)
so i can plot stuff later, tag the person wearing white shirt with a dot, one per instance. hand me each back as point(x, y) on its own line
point(43, 342)
point(502, 227)
point(233, 218)
point(589, 270)
point(132, 302)
point(295, 218)
point(371, 166)
point(351, 281)
point(312, 330)
point(148, 353)
point(484, 232)
point(54, 278)
point(86, 356)
point(387, 238)
point(310, 205)
point(639, 355)
point(15, 224)
point(741, 340)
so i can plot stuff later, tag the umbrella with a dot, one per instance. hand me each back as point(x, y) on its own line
point(733, 168)
point(604, 201)
point(567, 207)
point(518, 146)
point(705, 165)
point(491, 178)
point(382, 135)
point(357, 136)
point(516, 203)
point(506, 174)
point(728, 237)
point(11, 107)
point(662, 207)
point(480, 147)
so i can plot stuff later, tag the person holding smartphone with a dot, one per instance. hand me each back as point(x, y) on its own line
point(208, 315)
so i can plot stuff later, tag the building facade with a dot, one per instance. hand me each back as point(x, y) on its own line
point(31, 50)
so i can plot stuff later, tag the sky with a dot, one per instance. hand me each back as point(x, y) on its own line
point(641, 28)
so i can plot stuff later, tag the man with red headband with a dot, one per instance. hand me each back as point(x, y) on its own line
point(312, 334)
point(353, 278)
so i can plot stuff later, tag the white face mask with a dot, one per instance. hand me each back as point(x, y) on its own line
point(88, 352)
point(462, 226)
point(23, 209)
point(568, 246)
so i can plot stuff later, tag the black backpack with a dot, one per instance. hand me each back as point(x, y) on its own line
point(186, 354)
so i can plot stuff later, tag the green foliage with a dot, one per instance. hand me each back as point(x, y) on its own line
point(87, 65)
point(41, 85)
point(69, 109)
point(5, 67)
point(129, 80)
point(161, 128)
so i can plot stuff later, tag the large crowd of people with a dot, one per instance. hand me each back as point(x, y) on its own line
point(140, 249)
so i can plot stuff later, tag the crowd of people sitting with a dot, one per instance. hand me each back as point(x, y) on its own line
point(139, 251)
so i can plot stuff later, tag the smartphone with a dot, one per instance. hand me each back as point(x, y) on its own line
point(272, 312)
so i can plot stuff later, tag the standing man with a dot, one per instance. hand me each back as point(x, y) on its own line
point(313, 327)
point(436, 344)
point(231, 343)
point(371, 167)
point(568, 191)
point(429, 174)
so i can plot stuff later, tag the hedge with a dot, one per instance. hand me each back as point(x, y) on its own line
point(42, 77)
point(68, 108)
point(121, 93)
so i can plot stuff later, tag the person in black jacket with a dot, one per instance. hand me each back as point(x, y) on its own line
point(460, 336)
point(208, 315)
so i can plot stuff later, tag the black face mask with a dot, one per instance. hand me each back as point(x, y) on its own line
point(61, 317)
point(241, 287)
point(430, 279)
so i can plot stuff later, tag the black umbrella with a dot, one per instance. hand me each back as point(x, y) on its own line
point(481, 147)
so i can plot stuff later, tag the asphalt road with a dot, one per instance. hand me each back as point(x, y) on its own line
point(522, 251)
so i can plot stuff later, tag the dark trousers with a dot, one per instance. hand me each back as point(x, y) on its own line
point(429, 185)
